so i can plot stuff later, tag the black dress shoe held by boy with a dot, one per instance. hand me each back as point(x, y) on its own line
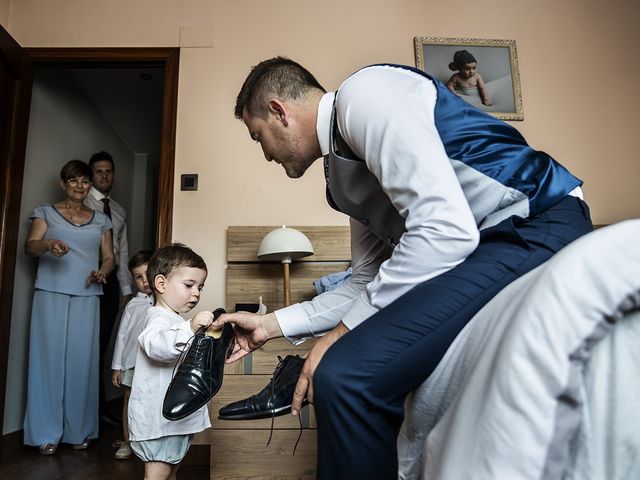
point(199, 376)
point(273, 400)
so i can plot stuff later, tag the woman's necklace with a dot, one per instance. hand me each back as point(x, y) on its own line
point(72, 212)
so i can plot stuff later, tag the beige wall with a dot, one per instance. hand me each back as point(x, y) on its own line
point(5, 12)
point(576, 62)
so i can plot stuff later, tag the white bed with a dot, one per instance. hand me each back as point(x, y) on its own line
point(543, 382)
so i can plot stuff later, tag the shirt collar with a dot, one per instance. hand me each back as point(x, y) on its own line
point(323, 122)
point(97, 194)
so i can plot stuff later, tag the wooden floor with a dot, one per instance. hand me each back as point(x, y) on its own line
point(18, 462)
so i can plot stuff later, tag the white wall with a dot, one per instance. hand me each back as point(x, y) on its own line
point(63, 125)
point(136, 214)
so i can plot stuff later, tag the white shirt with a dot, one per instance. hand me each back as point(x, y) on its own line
point(161, 342)
point(120, 242)
point(386, 116)
point(131, 325)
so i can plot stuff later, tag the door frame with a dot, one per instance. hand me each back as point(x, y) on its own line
point(12, 171)
point(13, 142)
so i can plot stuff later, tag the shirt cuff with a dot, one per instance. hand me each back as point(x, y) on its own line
point(125, 290)
point(294, 323)
point(360, 310)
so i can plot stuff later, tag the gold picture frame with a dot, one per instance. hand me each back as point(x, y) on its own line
point(496, 63)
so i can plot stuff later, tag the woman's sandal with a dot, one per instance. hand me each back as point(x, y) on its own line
point(48, 448)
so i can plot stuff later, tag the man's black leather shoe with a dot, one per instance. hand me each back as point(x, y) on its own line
point(199, 376)
point(274, 399)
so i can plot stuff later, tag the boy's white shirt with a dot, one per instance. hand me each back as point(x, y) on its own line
point(163, 338)
point(131, 325)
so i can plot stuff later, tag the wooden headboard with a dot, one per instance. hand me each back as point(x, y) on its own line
point(239, 447)
point(248, 277)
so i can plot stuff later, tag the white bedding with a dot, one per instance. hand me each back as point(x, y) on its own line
point(606, 445)
point(543, 382)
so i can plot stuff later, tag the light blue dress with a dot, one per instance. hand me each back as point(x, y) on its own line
point(62, 397)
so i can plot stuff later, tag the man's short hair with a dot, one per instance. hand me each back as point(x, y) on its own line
point(277, 76)
point(168, 259)
point(102, 156)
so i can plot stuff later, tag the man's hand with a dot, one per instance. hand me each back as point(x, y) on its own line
point(304, 387)
point(251, 331)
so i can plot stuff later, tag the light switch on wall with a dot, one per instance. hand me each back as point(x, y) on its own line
point(189, 182)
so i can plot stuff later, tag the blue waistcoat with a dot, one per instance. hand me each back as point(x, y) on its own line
point(500, 174)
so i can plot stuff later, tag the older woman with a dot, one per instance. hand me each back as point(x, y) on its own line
point(69, 239)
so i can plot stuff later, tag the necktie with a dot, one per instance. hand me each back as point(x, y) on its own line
point(106, 209)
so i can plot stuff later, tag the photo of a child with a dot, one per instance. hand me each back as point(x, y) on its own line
point(466, 80)
point(485, 72)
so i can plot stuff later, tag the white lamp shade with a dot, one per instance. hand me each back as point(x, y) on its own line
point(284, 245)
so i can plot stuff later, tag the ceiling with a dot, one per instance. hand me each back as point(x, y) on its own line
point(130, 100)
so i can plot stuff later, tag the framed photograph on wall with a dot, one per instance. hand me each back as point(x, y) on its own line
point(483, 72)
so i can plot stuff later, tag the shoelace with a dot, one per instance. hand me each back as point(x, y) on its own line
point(185, 348)
point(185, 351)
point(273, 413)
point(119, 443)
point(183, 354)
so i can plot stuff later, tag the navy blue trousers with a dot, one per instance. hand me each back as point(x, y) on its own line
point(361, 383)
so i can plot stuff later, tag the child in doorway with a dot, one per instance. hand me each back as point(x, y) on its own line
point(126, 346)
point(176, 275)
point(466, 77)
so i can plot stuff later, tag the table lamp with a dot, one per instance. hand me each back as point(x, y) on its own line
point(285, 245)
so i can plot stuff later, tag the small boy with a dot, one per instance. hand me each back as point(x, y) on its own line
point(467, 80)
point(176, 275)
point(126, 346)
